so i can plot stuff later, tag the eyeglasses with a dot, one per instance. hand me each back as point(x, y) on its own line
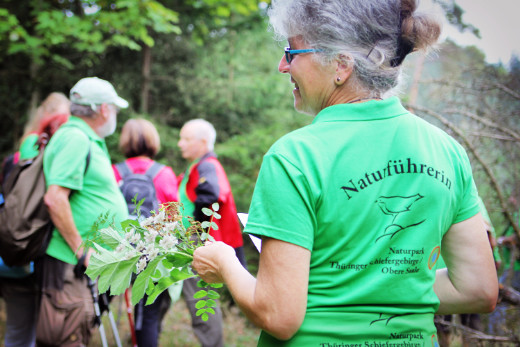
point(290, 53)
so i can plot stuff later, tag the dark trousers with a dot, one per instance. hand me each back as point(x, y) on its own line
point(148, 319)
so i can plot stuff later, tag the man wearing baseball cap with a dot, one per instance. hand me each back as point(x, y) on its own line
point(80, 187)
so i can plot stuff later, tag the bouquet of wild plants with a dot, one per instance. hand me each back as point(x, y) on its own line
point(153, 254)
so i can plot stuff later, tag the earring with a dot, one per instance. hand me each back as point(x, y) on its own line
point(338, 79)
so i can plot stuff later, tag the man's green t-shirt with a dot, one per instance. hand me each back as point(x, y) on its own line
point(188, 206)
point(369, 189)
point(507, 250)
point(28, 148)
point(94, 192)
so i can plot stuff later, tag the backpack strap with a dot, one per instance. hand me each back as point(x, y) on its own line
point(153, 170)
point(124, 169)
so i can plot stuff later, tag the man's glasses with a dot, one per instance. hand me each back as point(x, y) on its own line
point(290, 53)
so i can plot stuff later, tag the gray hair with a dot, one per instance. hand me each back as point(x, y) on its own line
point(204, 130)
point(82, 110)
point(376, 34)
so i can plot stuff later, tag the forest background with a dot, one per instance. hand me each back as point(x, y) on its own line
point(175, 60)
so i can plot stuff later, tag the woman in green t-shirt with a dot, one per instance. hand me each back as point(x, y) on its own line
point(355, 208)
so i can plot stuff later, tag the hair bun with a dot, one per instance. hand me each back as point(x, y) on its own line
point(419, 30)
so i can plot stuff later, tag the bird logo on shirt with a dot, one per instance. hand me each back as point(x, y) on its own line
point(395, 206)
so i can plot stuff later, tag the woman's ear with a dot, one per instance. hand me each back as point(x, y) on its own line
point(344, 67)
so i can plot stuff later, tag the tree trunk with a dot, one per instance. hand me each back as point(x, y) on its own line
point(145, 86)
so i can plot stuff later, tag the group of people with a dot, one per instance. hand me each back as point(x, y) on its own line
point(52, 305)
point(354, 210)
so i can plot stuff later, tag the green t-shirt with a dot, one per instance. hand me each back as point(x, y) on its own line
point(370, 190)
point(507, 250)
point(94, 192)
point(188, 206)
point(28, 148)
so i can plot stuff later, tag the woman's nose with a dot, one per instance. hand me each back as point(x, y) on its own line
point(284, 66)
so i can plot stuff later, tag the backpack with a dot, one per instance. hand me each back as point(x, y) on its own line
point(8, 165)
point(140, 184)
point(25, 223)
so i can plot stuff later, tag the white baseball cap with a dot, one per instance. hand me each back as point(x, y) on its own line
point(94, 91)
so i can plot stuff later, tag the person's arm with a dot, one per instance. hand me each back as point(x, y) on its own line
point(57, 200)
point(469, 283)
point(276, 300)
point(207, 190)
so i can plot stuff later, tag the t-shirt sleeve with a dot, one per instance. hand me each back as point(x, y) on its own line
point(66, 158)
point(282, 206)
point(469, 199)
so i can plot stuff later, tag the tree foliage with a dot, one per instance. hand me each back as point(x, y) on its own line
point(479, 105)
point(454, 14)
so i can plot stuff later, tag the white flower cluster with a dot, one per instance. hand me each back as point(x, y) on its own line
point(155, 237)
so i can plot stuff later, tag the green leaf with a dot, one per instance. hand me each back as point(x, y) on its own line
point(114, 272)
point(200, 294)
point(167, 264)
point(216, 215)
point(211, 303)
point(213, 294)
point(181, 274)
point(205, 317)
point(111, 237)
point(205, 224)
point(161, 286)
point(217, 285)
point(210, 310)
point(127, 224)
point(141, 282)
point(207, 211)
point(175, 276)
point(200, 304)
point(201, 311)
point(177, 259)
point(214, 226)
point(150, 287)
point(215, 206)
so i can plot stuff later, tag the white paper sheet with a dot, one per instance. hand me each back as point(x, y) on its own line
point(256, 240)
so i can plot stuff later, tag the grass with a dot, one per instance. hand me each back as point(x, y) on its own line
point(177, 332)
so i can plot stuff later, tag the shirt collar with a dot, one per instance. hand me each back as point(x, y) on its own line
point(365, 111)
point(82, 125)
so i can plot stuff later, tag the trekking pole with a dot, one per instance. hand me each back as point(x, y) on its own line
point(113, 324)
point(130, 319)
point(95, 298)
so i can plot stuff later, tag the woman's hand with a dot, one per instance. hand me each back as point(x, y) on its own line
point(210, 259)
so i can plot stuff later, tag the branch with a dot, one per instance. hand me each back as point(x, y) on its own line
point(481, 87)
point(493, 136)
point(508, 294)
point(506, 90)
point(486, 122)
point(473, 150)
point(476, 334)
